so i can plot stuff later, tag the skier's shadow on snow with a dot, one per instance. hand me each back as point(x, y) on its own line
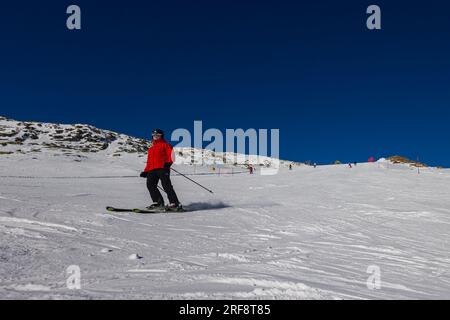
point(197, 206)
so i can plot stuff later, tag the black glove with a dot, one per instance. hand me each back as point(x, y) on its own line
point(143, 174)
point(167, 165)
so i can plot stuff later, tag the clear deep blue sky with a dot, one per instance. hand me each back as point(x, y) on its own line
point(334, 89)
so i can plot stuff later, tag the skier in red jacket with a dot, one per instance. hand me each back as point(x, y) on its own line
point(159, 161)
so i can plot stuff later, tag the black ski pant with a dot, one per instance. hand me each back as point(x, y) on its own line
point(153, 178)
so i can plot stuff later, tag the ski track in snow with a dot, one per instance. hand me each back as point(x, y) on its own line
point(301, 234)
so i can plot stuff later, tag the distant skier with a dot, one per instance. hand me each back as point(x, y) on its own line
point(159, 161)
point(290, 166)
point(250, 169)
point(315, 165)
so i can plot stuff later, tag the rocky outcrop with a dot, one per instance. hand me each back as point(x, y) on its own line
point(66, 138)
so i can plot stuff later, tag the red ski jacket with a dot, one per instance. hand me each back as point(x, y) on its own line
point(159, 153)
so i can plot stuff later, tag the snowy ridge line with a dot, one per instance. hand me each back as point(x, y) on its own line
point(112, 177)
point(85, 141)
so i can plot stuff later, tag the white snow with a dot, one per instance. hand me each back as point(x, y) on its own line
point(134, 256)
point(309, 233)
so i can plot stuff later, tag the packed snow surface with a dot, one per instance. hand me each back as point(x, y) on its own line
point(306, 233)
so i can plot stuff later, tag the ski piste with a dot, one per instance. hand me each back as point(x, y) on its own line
point(147, 211)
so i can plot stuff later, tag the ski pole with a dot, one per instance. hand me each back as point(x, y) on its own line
point(191, 180)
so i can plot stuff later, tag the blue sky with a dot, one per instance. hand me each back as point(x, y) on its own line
point(334, 89)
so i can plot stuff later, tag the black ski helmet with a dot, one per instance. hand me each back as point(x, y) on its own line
point(158, 131)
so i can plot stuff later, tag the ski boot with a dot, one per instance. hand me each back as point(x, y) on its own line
point(174, 207)
point(155, 206)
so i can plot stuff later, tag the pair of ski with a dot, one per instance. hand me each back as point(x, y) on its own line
point(147, 211)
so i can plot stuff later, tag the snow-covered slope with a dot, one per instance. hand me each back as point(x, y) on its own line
point(309, 233)
point(81, 142)
point(35, 137)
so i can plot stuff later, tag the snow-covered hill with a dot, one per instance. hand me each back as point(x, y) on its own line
point(34, 137)
point(309, 233)
point(83, 142)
